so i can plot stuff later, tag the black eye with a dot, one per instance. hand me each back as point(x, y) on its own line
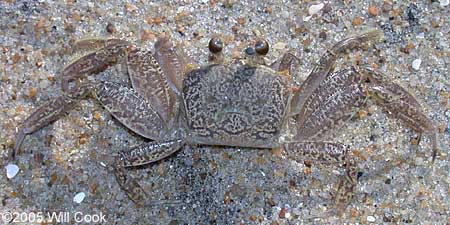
point(261, 47)
point(250, 51)
point(215, 45)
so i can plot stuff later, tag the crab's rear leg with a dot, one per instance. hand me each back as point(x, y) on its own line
point(142, 155)
point(129, 108)
point(400, 104)
point(325, 64)
point(49, 112)
point(330, 154)
point(92, 44)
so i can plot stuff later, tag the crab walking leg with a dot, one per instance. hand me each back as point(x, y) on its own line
point(124, 104)
point(172, 61)
point(287, 62)
point(336, 89)
point(92, 44)
point(333, 154)
point(141, 155)
point(94, 62)
point(131, 109)
point(45, 114)
point(149, 81)
point(333, 111)
point(325, 64)
point(400, 104)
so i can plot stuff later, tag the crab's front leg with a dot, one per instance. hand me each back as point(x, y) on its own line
point(325, 65)
point(156, 76)
point(142, 155)
point(400, 104)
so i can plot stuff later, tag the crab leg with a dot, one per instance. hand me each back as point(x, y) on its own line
point(131, 109)
point(124, 104)
point(333, 154)
point(94, 62)
point(331, 86)
point(90, 44)
point(48, 113)
point(332, 104)
point(44, 115)
point(400, 104)
point(155, 77)
point(286, 63)
point(173, 62)
point(141, 155)
point(149, 81)
point(323, 67)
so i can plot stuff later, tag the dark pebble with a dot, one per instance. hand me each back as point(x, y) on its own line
point(323, 35)
point(110, 28)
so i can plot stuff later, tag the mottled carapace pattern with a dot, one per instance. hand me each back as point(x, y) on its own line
point(236, 105)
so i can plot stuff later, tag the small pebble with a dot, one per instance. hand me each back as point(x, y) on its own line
point(420, 36)
point(15, 58)
point(386, 7)
point(279, 46)
point(313, 9)
point(79, 197)
point(444, 2)
point(419, 161)
point(373, 10)
point(241, 20)
point(11, 170)
point(287, 215)
point(110, 28)
point(357, 21)
point(323, 35)
point(130, 7)
point(32, 92)
point(282, 213)
point(416, 64)
point(370, 219)
point(327, 8)
point(285, 15)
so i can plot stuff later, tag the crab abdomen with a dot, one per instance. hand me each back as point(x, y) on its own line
point(235, 105)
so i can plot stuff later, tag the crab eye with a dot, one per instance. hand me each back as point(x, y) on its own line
point(215, 45)
point(250, 51)
point(262, 47)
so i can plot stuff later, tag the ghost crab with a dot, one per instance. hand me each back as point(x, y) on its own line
point(243, 103)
